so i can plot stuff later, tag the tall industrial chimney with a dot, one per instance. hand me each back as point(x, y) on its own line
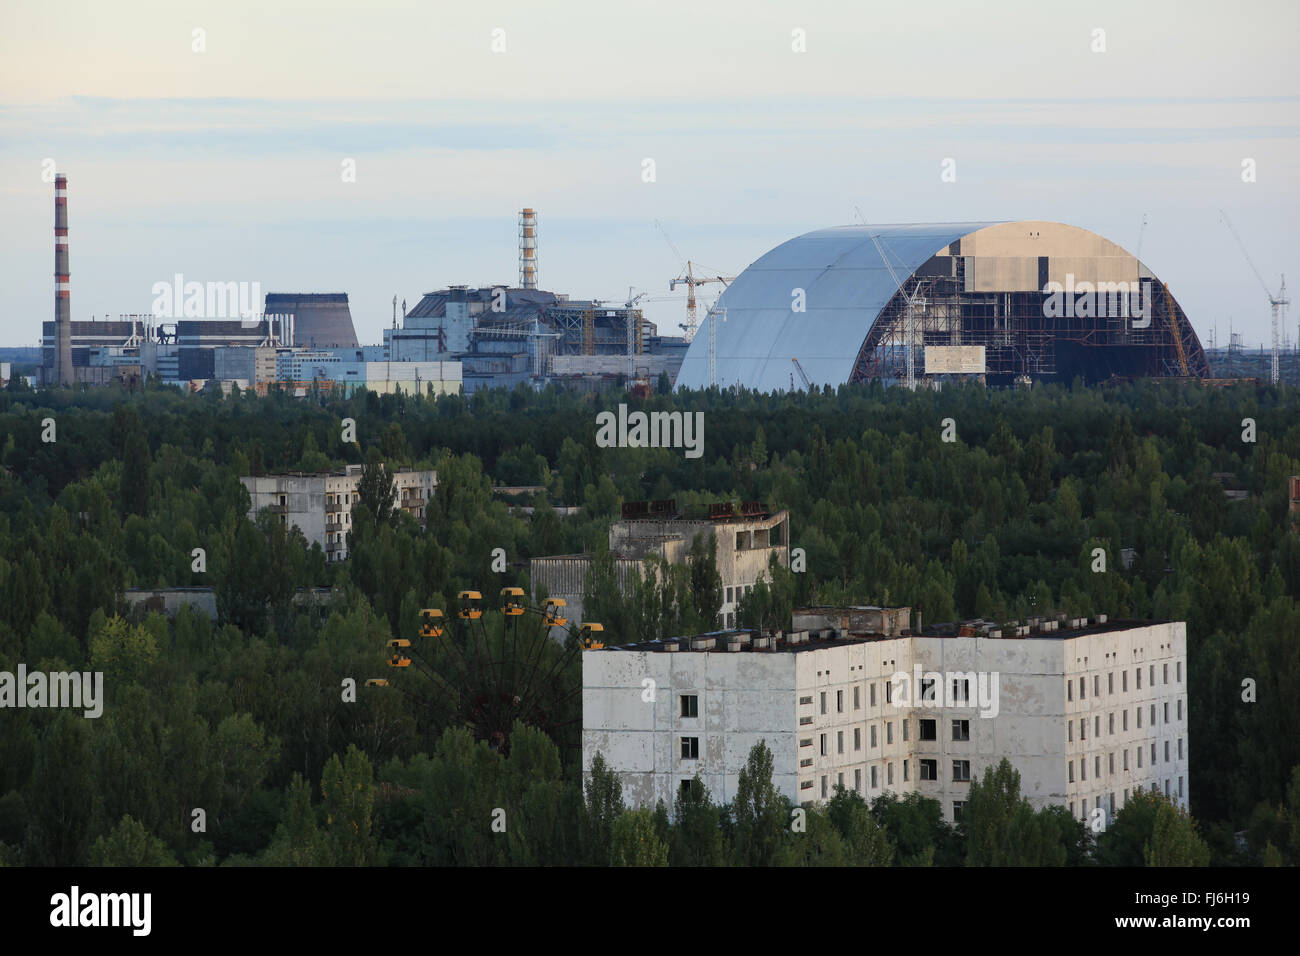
point(62, 300)
point(527, 249)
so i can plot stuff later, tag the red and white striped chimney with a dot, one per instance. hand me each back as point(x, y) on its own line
point(62, 289)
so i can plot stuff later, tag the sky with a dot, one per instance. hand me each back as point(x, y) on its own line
point(213, 140)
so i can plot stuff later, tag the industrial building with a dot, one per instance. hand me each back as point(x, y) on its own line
point(1001, 301)
point(747, 538)
point(1088, 712)
point(320, 505)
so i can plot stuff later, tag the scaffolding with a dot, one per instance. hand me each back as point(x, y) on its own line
point(1021, 337)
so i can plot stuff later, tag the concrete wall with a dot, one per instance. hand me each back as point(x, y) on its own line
point(169, 601)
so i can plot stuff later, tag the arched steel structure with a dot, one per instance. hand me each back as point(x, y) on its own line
point(830, 301)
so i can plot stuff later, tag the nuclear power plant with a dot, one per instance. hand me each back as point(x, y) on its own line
point(457, 338)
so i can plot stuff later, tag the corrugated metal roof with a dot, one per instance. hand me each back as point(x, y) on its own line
point(845, 286)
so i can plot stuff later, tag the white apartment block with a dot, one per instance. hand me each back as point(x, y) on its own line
point(320, 505)
point(1087, 714)
point(746, 542)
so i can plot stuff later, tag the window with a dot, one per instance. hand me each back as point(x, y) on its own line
point(1124, 719)
point(839, 741)
point(1153, 675)
point(873, 695)
point(957, 807)
point(805, 785)
point(823, 702)
point(961, 730)
point(889, 692)
point(1178, 671)
point(873, 778)
point(960, 691)
point(1110, 763)
point(1153, 753)
point(1166, 712)
point(907, 722)
point(1112, 804)
point(1153, 715)
point(927, 691)
point(839, 702)
point(857, 780)
point(804, 701)
point(1096, 685)
point(1083, 729)
point(1125, 767)
point(961, 770)
point(805, 742)
point(1180, 787)
point(807, 719)
point(1166, 751)
point(729, 590)
point(905, 769)
point(690, 748)
point(1138, 711)
point(857, 697)
point(1110, 721)
point(1137, 674)
point(929, 729)
point(1123, 681)
point(1083, 769)
point(1139, 753)
point(1069, 731)
point(690, 705)
point(1083, 689)
point(1110, 683)
point(1164, 673)
point(889, 732)
point(1180, 708)
point(1166, 787)
point(1071, 771)
point(684, 787)
point(1180, 748)
point(929, 770)
point(857, 738)
point(1069, 690)
point(1096, 767)
point(839, 780)
point(873, 737)
point(1096, 726)
point(889, 774)
point(823, 786)
point(823, 745)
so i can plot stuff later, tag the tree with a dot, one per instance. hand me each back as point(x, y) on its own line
point(130, 844)
point(348, 797)
point(1174, 841)
point(706, 582)
point(604, 806)
point(696, 839)
point(635, 842)
point(377, 491)
point(865, 841)
point(759, 810)
point(298, 841)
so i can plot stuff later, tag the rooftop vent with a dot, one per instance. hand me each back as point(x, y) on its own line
point(733, 645)
point(671, 646)
point(702, 643)
point(1102, 618)
point(763, 643)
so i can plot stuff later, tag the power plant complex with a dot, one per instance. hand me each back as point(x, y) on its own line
point(915, 304)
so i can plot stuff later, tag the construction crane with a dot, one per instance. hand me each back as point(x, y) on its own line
point(912, 301)
point(689, 279)
point(802, 374)
point(1277, 303)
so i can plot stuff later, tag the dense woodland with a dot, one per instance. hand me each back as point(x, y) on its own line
point(244, 718)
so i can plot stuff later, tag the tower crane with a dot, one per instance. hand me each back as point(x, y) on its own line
point(912, 301)
point(1278, 303)
point(689, 279)
point(802, 374)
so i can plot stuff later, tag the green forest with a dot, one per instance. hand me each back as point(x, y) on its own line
point(243, 719)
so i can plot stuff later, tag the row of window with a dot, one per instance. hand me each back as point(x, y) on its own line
point(1110, 721)
point(1110, 761)
point(929, 695)
point(1155, 787)
point(1123, 676)
point(927, 770)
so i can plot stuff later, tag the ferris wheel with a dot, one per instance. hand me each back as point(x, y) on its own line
point(485, 671)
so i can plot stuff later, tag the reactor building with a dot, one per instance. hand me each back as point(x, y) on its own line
point(1003, 302)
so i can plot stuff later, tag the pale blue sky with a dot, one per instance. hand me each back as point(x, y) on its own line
point(225, 165)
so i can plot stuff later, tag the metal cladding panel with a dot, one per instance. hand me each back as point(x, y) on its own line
point(845, 286)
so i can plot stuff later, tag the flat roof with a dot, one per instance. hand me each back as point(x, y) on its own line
point(946, 630)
